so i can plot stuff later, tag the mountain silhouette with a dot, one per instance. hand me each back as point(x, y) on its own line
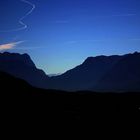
point(21, 66)
point(18, 97)
point(12, 85)
point(103, 73)
point(116, 73)
point(124, 76)
point(85, 75)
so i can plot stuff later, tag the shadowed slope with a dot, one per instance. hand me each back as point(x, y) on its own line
point(85, 75)
point(124, 76)
point(101, 73)
point(22, 66)
point(17, 97)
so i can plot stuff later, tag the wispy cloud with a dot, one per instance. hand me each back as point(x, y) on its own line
point(21, 22)
point(9, 46)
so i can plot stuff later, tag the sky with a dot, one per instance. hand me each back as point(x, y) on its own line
point(61, 34)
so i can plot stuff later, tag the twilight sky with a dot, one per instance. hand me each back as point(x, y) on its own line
point(60, 34)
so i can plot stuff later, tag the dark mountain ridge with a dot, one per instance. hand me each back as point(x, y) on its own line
point(124, 76)
point(19, 98)
point(101, 73)
point(85, 75)
point(21, 66)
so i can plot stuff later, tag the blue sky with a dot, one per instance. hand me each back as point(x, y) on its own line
point(61, 34)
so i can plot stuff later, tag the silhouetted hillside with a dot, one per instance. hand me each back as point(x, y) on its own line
point(22, 66)
point(11, 85)
point(102, 73)
point(19, 98)
point(85, 75)
point(124, 76)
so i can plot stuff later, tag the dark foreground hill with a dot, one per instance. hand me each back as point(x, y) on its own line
point(17, 97)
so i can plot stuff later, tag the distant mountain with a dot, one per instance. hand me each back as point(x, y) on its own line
point(85, 75)
point(21, 66)
point(51, 75)
point(124, 76)
point(102, 73)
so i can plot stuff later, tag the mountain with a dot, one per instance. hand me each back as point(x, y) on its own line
point(21, 66)
point(10, 84)
point(102, 73)
point(27, 102)
point(85, 75)
point(124, 76)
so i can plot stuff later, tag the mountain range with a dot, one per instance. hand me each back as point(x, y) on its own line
point(116, 73)
point(21, 100)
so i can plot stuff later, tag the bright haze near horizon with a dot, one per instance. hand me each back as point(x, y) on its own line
point(61, 34)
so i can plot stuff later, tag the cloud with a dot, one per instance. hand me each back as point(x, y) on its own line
point(9, 45)
point(23, 25)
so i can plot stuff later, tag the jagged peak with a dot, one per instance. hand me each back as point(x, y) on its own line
point(136, 52)
point(18, 57)
point(9, 53)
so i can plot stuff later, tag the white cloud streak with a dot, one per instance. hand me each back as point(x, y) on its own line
point(24, 26)
point(9, 46)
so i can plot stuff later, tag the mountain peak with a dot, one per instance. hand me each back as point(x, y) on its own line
point(14, 54)
point(22, 66)
point(90, 60)
point(16, 57)
point(136, 52)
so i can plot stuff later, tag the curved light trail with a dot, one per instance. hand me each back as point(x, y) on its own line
point(21, 22)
